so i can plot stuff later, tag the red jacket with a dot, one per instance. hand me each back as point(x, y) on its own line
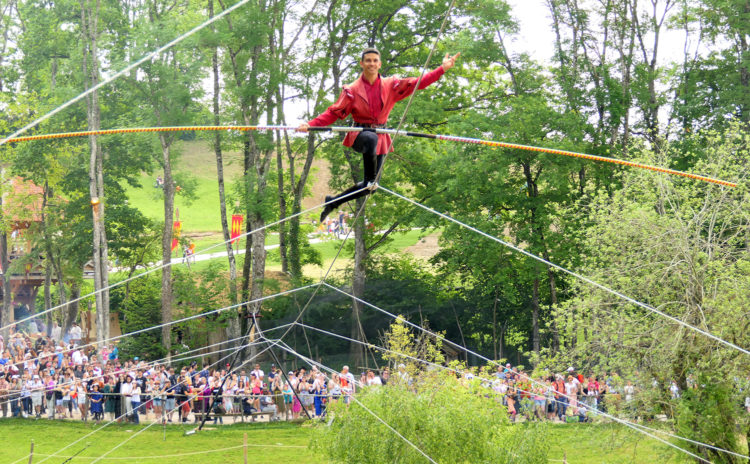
point(353, 100)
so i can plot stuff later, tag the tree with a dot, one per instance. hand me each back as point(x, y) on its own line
point(90, 10)
point(679, 246)
point(169, 86)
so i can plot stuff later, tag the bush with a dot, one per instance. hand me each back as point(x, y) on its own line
point(441, 416)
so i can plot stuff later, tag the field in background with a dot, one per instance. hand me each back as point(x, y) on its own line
point(202, 221)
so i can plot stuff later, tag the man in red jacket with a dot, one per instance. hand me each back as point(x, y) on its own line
point(370, 100)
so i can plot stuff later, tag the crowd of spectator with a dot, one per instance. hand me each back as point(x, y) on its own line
point(57, 378)
point(54, 377)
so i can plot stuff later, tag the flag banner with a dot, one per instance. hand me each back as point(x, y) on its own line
point(176, 234)
point(236, 227)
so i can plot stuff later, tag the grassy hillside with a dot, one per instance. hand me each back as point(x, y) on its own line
point(201, 219)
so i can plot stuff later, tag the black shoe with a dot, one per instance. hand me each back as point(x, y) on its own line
point(327, 210)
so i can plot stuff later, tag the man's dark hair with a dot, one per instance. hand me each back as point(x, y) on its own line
point(369, 50)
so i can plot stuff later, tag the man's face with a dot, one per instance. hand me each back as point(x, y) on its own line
point(370, 64)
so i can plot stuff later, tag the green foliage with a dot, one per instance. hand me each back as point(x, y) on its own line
point(443, 418)
point(139, 308)
point(709, 413)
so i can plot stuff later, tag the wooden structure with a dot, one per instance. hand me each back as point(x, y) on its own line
point(22, 204)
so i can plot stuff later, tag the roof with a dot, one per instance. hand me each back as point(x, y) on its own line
point(22, 203)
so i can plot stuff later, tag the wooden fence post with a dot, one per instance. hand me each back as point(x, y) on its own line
point(244, 447)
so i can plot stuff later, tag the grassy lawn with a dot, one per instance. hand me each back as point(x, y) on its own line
point(607, 444)
point(273, 443)
point(266, 443)
point(198, 161)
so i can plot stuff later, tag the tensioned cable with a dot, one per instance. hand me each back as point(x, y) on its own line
point(416, 88)
point(440, 337)
point(190, 399)
point(624, 422)
point(395, 133)
point(364, 203)
point(573, 273)
point(409, 442)
point(125, 70)
point(137, 433)
point(188, 318)
point(191, 453)
point(121, 371)
point(172, 410)
point(150, 364)
point(171, 263)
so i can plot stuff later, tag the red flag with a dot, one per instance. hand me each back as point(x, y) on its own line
point(236, 227)
point(176, 234)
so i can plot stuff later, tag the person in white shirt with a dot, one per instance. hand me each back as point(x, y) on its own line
point(135, 400)
point(257, 372)
point(37, 390)
point(373, 380)
point(347, 383)
point(56, 332)
point(75, 334)
point(126, 390)
point(77, 358)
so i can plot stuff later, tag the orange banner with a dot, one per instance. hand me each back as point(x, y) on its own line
point(176, 234)
point(236, 227)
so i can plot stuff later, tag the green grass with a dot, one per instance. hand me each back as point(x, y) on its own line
point(273, 443)
point(201, 220)
point(267, 443)
point(607, 444)
point(198, 161)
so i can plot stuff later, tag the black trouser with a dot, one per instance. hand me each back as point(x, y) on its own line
point(367, 144)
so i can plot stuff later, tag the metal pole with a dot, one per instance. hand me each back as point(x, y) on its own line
point(231, 366)
point(283, 372)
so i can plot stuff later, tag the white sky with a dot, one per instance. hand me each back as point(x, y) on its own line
point(537, 38)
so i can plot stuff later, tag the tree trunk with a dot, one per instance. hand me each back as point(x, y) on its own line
point(48, 295)
point(494, 326)
point(6, 317)
point(90, 17)
point(356, 351)
point(166, 248)
point(233, 324)
point(535, 316)
point(295, 258)
point(70, 313)
point(553, 301)
point(282, 203)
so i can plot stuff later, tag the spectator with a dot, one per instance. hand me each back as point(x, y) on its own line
point(267, 405)
point(96, 404)
point(75, 334)
point(258, 373)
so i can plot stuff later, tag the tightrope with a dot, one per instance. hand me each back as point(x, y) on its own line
point(394, 132)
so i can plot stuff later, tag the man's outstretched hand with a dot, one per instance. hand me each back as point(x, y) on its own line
point(303, 127)
point(449, 60)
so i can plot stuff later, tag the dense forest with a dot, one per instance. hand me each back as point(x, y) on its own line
point(610, 89)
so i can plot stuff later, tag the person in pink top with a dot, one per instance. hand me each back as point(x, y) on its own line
point(370, 100)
